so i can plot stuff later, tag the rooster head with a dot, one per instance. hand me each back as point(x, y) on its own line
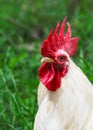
point(56, 50)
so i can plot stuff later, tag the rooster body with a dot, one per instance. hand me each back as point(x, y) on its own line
point(70, 106)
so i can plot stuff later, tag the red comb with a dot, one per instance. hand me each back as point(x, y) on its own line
point(59, 40)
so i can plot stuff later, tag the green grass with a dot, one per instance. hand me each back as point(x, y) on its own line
point(23, 26)
point(18, 84)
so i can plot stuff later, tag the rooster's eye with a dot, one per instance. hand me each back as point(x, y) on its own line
point(62, 58)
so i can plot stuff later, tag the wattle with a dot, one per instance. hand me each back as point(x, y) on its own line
point(51, 76)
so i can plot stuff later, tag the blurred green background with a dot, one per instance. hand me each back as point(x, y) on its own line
point(24, 24)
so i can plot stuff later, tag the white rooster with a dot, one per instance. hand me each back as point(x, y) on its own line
point(65, 95)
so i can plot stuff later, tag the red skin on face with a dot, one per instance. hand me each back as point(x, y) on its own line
point(50, 75)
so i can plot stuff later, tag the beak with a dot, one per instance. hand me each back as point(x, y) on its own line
point(46, 59)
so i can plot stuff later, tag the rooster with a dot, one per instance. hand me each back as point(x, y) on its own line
point(65, 95)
